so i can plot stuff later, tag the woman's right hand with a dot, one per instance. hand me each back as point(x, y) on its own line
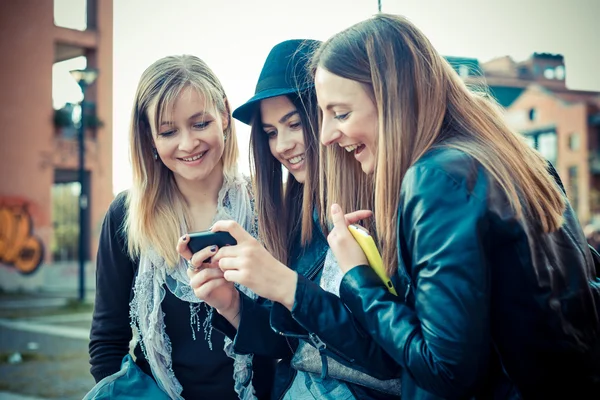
point(207, 280)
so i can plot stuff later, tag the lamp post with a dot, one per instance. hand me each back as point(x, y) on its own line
point(379, 6)
point(84, 78)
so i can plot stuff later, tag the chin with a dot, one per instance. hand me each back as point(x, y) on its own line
point(367, 168)
point(300, 176)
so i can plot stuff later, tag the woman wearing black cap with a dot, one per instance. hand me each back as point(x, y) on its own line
point(303, 306)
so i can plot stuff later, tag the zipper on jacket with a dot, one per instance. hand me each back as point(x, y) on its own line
point(407, 292)
point(321, 346)
point(318, 269)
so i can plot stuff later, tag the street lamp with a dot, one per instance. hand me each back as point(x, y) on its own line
point(84, 78)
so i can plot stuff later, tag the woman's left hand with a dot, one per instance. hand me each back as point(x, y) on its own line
point(249, 264)
point(346, 250)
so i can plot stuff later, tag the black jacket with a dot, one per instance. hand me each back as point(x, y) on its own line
point(489, 307)
point(269, 329)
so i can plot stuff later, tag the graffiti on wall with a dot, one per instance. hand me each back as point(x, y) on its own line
point(19, 247)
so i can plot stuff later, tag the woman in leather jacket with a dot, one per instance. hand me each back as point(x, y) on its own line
point(498, 296)
point(299, 317)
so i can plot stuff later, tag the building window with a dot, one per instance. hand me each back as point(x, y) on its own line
point(65, 221)
point(71, 14)
point(532, 114)
point(573, 188)
point(549, 73)
point(545, 143)
point(559, 72)
point(574, 141)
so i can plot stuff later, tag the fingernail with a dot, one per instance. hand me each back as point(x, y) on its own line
point(213, 249)
point(335, 208)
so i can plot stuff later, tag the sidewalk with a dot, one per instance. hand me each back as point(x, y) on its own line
point(44, 346)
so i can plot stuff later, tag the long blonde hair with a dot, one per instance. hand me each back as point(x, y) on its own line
point(422, 103)
point(156, 209)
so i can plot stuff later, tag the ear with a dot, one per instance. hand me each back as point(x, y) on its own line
point(226, 120)
point(226, 116)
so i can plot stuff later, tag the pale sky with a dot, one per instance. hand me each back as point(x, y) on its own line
point(235, 36)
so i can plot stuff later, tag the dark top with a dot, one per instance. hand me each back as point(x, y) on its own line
point(490, 307)
point(202, 372)
point(270, 329)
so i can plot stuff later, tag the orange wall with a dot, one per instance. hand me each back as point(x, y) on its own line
point(29, 150)
point(26, 106)
point(568, 119)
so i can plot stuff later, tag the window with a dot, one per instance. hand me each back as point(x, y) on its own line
point(549, 73)
point(533, 114)
point(559, 72)
point(573, 188)
point(545, 143)
point(64, 88)
point(463, 70)
point(574, 141)
point(71, 14)
point(65, 220)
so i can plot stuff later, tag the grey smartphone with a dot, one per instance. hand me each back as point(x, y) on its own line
point(203, 239)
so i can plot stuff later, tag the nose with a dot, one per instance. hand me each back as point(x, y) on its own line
point(284, 143)
point(188, 141)
point(329, 132)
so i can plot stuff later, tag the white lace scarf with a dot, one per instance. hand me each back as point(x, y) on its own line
point(147, 318)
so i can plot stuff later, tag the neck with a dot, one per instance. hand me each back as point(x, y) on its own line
point(200, 194)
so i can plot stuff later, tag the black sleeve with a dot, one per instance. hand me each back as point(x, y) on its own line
point(111, 333)
point(444, 341)
point(324, 314)
point(254, 334)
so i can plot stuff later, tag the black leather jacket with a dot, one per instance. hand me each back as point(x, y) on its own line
point(488, 307)
point(269, 329)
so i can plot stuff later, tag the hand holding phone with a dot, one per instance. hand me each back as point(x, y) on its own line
point(367, 244)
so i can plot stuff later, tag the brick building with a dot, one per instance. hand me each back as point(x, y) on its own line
point(39, 154)
point(563, 124)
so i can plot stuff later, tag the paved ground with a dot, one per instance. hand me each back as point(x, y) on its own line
point(44, 348)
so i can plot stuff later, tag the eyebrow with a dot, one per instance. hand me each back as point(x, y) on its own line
point(332, 105)
point(198, 114)
point(286, 117)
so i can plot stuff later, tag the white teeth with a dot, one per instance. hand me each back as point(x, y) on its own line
point(297, 159)
point(353, 147)
point(196, 157)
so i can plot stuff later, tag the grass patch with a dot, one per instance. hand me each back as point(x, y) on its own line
point(31, 356)
point(72, 306)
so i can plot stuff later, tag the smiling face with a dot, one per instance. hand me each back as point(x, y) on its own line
point(189, 137)
point(349, 117)
point(282, 124)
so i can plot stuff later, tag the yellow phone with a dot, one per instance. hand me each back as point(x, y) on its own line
point(367, 244)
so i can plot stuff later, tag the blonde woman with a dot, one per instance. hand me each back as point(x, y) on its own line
point(184, 154)
point(498, 296)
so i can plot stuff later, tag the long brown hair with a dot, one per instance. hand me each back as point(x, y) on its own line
point(156, 208)
point(422, 103)
point(285, 214)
